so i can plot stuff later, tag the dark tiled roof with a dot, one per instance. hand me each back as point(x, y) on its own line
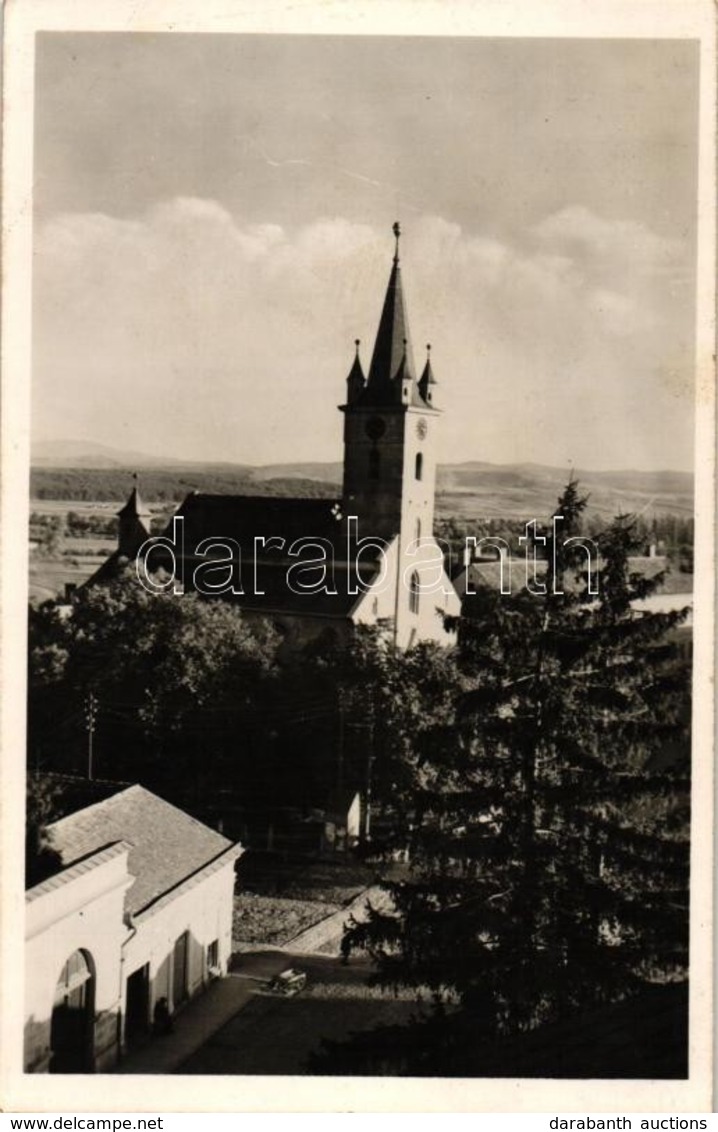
point(246, 517)
point(242, 519)
point(167, 844)
point(273, 594)
point(110, 569)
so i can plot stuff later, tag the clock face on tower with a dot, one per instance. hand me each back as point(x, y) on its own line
point(421, 428)
point(375, 428)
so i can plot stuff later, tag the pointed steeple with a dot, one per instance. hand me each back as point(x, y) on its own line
point(427, 380)
point(392, 349)
point(135, 522)
point(356, 381)
point(134, 505)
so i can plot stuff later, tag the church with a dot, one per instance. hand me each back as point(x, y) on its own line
point(318, 567)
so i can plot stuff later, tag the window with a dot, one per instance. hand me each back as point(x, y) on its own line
point(374, 460)
point(417, 531)
point(414, 593)
point(418, 466)
point(213, 956)
point(72, 986)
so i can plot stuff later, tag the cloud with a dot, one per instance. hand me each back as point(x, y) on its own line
point(189, 331)
point(605, 244)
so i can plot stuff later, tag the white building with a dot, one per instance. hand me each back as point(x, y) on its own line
point(140, 912)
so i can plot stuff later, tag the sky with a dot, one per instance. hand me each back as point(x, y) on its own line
point(212, 230)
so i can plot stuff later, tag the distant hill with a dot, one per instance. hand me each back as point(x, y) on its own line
point(86, 454)
point(76, 470)
point(75, 454)
point(322, 473)
point(514, 491)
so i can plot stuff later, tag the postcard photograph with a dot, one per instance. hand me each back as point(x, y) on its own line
point(364, 543)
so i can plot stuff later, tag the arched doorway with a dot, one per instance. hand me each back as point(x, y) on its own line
point(72, 1014)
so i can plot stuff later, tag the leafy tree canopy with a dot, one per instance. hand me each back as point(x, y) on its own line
point(172, 677)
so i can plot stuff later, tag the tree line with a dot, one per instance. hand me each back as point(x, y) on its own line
point(164, 485)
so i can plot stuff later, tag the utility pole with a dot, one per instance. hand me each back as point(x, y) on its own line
point(91, 709)
point(369, 773)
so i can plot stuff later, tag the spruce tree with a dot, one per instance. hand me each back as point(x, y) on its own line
point(546, 815)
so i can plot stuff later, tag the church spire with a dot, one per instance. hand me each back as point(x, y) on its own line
point(392, 350)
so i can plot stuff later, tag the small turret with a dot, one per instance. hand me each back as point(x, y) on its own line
point(404, 379)
point(356, 381)
point(427, 380)
point(134, 523)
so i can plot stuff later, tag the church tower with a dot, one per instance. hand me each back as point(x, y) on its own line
point(390, 431)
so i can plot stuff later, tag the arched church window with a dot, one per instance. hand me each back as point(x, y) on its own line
point(418, 466)
point(414, 593)
point(374, 461)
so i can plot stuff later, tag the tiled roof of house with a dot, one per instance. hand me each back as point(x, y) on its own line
point(167, 844)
